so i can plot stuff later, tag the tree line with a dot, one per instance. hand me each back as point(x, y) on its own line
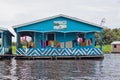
point(109, 35)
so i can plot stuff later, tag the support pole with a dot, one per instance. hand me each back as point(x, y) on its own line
point(64, 40)
point(76, 40)
point(2, 39)
point(17, 40)
point(43, 41)
point(93, 41)
point(34, 37)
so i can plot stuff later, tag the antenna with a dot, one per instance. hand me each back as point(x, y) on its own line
point(102, 21)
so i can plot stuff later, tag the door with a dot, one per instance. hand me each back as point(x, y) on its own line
point(50, 36)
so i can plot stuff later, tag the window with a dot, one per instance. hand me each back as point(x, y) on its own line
point(115, 46)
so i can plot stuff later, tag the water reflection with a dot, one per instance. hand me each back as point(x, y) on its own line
point(8, 69)
point(107, 69)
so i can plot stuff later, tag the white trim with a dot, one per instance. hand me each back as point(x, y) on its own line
point(115, 43)
point(57, 31)
point(60, 15)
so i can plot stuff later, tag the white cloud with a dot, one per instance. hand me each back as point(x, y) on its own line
point(14, 12)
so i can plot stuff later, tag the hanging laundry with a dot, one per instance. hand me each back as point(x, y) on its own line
point(50, 43)
point(89, 42)
point(81, 44)
point(78, 39)
point(24, 38)
point(86, 42)
point(29, 45)
point(56, 43)
point(34, 45)
point(81, 40)
point(44, 44)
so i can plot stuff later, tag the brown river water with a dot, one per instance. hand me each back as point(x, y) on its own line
point(106, 69)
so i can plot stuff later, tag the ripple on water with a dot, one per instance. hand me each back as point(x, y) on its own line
point(107, 69)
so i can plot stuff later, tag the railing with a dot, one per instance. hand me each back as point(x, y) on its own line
point(58, 51)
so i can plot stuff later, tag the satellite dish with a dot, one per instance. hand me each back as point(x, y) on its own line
point(103, 21)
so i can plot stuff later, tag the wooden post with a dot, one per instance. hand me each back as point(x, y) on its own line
point(64, 40)
point(17, 40)
point(2, 39)
point(93, 41)
point(43, 41)
point(34, 37)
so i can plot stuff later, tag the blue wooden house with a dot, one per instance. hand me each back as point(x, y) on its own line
point(59, 35)
point(5, 42)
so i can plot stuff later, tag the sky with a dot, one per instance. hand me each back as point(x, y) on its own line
point(14, 12)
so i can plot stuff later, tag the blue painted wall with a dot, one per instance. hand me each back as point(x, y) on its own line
point(38, 38)
point(69, 37)
point(48, 25)
point(72, 26)
point(60, 38)
point(6, 41)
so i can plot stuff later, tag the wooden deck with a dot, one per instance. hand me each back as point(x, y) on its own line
point(3, 57)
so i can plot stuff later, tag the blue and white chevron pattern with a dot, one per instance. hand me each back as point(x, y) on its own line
point(59, 51)
point(1, 50)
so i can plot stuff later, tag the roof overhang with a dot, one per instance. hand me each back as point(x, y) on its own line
point(115, 42)
point(58, 31)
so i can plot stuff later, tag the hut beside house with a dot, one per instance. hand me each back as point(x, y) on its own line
point(115, 46)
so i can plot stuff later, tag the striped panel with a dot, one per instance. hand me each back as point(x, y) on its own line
point(59, 51)
point(1, 50)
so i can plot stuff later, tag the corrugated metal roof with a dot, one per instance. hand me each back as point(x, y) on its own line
point(60, 15)
point(116, 42)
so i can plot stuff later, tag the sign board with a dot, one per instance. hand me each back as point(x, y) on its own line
point(60, 25)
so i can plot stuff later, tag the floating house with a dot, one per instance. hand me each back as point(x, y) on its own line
point(5, 42)
point(115, 46)
point(59, 35)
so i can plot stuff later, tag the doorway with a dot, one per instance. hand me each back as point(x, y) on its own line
point(51, 36)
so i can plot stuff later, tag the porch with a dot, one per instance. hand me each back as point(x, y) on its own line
point(57, 43)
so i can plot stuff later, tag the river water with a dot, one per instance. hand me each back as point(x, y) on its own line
point(106, 69)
